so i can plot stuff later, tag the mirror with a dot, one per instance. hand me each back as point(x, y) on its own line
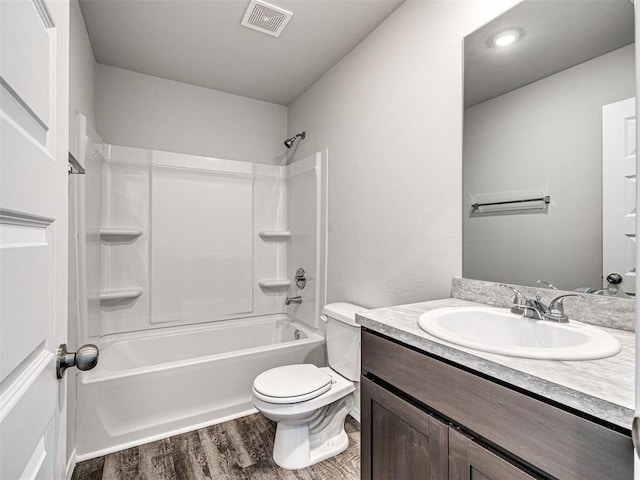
point(533, 128)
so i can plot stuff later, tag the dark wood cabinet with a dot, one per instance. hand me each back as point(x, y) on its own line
point(491, 431)
point(403, 442)
point(470, 461)
point(400, 441)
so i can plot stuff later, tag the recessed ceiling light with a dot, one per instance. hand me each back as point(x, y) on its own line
point(505, 38)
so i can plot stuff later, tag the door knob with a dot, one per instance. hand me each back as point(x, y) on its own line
point(614, 278)
point(84, 359)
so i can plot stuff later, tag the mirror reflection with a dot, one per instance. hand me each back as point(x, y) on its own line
point(549, 147)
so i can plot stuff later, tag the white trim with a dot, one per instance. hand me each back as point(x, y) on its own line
point(24, 381)
point(35, 462)
point(71, 464)
point(44, 14)
point(158, 158)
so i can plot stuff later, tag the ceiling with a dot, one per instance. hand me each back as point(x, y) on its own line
point(556, 35)
point(202, 43)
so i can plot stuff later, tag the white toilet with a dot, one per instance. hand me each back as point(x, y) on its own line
point(311, 403)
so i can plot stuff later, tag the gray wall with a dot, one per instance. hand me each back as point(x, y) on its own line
point(390, 114)
point(143, 111)
point(547, 134)
point(82, 74)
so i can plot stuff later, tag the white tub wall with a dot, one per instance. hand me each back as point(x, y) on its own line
point(305, 220)
point(126, 260)
point(270, 257)
point(143, 111)
point(130, 191)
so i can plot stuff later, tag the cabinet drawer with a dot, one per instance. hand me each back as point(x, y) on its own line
point(544, 437)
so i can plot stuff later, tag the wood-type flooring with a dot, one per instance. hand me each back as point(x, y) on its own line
point(238, 449)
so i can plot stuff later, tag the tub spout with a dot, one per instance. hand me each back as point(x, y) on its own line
point(291, 300)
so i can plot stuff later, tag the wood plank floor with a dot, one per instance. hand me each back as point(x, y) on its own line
point(239, 449)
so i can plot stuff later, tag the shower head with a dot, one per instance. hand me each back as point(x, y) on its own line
point(290, 141)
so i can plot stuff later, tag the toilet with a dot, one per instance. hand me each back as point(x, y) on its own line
point(310, 403)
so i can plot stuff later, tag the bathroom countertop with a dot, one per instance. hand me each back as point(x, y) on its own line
point(603, 388)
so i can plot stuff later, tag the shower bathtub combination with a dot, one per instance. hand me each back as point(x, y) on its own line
point(184, 266)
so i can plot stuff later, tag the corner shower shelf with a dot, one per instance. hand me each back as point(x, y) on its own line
point(120, 293)
point(275, 235)
point(274, 283)
point(108, 233)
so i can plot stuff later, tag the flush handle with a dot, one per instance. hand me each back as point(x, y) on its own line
point(84, 359)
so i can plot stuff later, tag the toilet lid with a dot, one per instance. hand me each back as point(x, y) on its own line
point(291, 383)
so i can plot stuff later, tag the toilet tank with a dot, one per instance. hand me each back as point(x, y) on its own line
point(343, 339)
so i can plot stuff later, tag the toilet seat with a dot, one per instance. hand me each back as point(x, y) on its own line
point(291, 384)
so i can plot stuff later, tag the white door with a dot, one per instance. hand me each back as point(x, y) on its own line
point(34, 44)
point(619, 194)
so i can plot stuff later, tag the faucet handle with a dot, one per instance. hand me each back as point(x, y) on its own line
point(519, 298)
point(557, 305)
point(556, 309)
point(513, 289)
point(550, 285)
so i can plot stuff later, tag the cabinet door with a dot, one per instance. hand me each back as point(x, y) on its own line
point(400, 441)
point(470, 461)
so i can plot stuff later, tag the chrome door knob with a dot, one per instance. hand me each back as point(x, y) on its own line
point(614, 278)
point(84, 359)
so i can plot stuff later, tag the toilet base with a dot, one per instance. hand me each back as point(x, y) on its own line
point(302, 445)
point(291, 449)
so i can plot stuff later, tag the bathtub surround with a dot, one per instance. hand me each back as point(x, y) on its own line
point(167, 261)
point(238, 449)
point(602, 310)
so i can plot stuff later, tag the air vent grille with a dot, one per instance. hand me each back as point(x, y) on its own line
point(266, 18)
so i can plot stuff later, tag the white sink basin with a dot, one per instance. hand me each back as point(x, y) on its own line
point(497, 330)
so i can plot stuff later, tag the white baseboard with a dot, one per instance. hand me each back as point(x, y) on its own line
point(71, 464)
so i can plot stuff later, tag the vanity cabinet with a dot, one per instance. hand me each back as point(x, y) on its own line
point(405, 441)
point(401, 441)
point(428, 419)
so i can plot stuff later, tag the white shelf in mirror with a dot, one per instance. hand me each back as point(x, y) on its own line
point(120, 293)
point(274, 283)
point(275, 235)
point(114, 233)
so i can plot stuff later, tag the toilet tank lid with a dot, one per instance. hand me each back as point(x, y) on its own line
point(345, 312)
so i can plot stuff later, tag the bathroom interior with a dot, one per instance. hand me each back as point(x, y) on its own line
point(368, 210)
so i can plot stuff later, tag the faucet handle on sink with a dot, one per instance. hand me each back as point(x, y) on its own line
point(519, 298)
point(556, 309)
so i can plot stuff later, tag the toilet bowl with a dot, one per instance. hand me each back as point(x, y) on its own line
point(310, 403)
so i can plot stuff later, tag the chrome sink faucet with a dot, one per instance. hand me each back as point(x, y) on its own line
point(534, 308)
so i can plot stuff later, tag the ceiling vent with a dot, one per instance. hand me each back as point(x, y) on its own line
point(266, 18)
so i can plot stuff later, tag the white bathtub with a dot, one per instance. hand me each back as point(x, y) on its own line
point(151, 385)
